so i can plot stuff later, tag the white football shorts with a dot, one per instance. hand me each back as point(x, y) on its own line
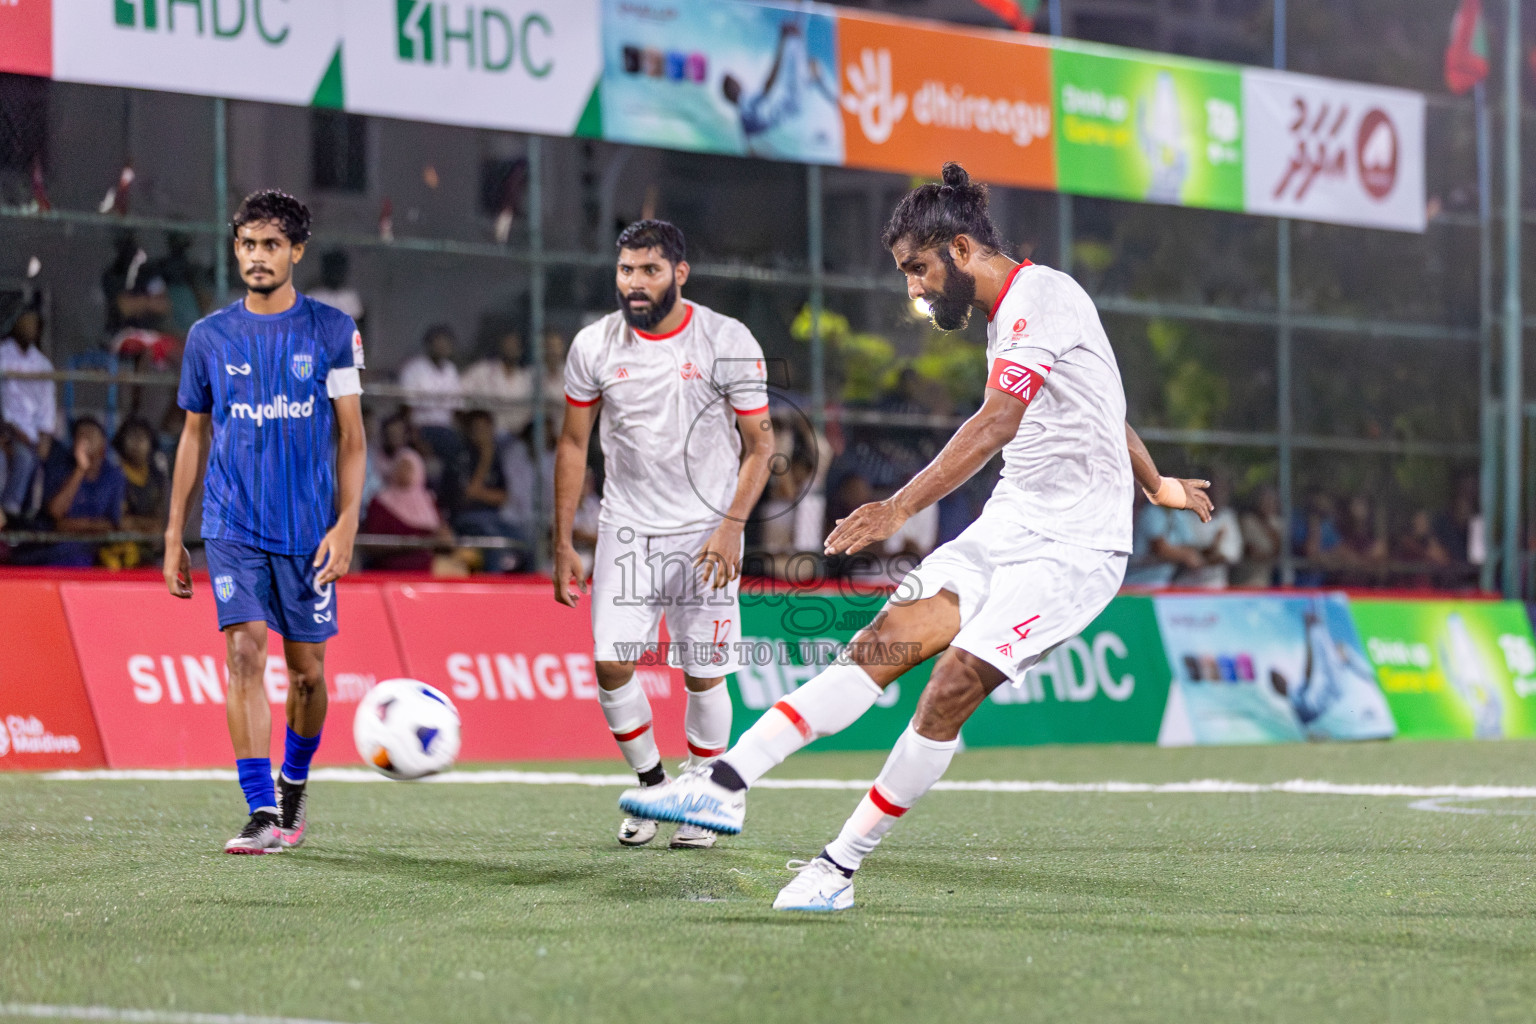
point(637, 580)
point(1021, 594)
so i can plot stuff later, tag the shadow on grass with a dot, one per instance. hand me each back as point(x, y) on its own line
point(479, 873)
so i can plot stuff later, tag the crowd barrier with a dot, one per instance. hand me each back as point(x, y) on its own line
point(116, 673)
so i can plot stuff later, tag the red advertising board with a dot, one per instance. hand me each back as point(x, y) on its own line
point(519, 667)
point(155, 671)
point(26, 37)
point(45, 718)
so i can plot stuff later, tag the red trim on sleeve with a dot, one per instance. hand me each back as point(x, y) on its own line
point(886, 807)
point(679, 329)
point(787, 709)
point(752, 412)
point(625, 737)
point(1019, 381)
point(580, 404)
point(1008, 283)
point(698, 751)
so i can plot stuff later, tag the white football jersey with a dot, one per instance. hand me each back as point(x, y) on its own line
point(671, 451)
point(1068, 471)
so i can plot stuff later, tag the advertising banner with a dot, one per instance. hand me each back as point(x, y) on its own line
point(1453, 668)
point(242, 49)
point(26, 37)
point(1150, 129)
point(1267, 669)
point(914, 96)
point(1320, 149)
point(46, 720)
point(156, 672)
point(525, 65)
point(740, 79)
point(1108, 685)
point(519, 668)
point(788, 637)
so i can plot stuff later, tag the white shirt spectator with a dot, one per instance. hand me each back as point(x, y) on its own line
point(345, 299)
point(28, 405)
point(1222, 541)
point(423, 375)
point(511, 383)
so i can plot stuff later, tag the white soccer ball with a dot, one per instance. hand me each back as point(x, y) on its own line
point(406, 729)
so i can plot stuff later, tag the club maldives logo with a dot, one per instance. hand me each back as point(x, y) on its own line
point(229, 19)
point(479, 37)
point(27, 735)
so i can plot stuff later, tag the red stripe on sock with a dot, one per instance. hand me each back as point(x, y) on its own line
point(886, 807)
point(698, 751)
point(625, 737)
point(787, 709)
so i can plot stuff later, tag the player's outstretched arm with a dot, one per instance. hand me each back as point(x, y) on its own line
point(191, 457)
point(1169, 492)
point(334, 556)
point(721, 556)
point(978, 439)
point(570, 472)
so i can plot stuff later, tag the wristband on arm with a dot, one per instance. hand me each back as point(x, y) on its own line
point(1169, 494)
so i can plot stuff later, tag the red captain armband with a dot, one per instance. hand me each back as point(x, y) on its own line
point(1019, 381)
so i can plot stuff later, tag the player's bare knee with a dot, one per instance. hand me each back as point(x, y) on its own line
point(247, 658)
point(613, 674)
point(307, 680)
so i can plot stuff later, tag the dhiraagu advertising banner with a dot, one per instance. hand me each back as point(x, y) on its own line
point(1267, 668)
point(740, 79)
point(1453, 668)
point(1147, 128)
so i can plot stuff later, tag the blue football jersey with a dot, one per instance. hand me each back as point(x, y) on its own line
point(268, 382)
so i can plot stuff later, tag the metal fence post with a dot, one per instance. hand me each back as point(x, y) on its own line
point(1513, 326)
point(1488, 480)
point(536, 284)
point(1285, 424)
point(1064, 226)
point(220, 200)
point(814, 229)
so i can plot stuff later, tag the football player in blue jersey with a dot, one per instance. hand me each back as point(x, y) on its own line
point(271, 388)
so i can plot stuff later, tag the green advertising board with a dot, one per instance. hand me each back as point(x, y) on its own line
point(1148, 129)
point(1453, 668)
point(1108, 685)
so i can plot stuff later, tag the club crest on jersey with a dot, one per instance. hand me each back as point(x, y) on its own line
point(224, 586)
point(303, 365)
point(691, 372)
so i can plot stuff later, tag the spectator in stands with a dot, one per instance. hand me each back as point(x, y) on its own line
point(474, 488)
point(188, 285)
point(1421, 548)
point(333, 289)
point(505, 377)
point(435, 375)
point(405, 508)
point(135, 292)
point(517, 468)
point(584, 523)
point(554, 368)
point(29, 406)
point(145, 495)
point(1453, 528)
point(85, 498)
point(1220, 541)
point(1362, 540)
point(1162, 545)
point(1315, 538)
point(1263, 530)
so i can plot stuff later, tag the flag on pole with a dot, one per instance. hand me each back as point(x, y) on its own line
point(1466, 58)
point(1017, 14)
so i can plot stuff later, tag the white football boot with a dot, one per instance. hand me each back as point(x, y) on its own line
point(818, 886)
point(693, 798)
point(637, 831)
point(262, 834)
point(692, 837)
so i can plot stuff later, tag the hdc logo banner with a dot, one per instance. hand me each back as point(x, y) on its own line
point(524, 65)
point(1334, 151)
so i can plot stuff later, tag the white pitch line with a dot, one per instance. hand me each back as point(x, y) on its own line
point(1302, 787)
point(43, 1011)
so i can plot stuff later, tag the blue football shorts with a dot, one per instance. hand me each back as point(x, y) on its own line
point(252, 585)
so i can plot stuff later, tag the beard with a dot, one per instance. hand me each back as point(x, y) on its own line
point(650, 317)
point(950, 310)
point(272, 284)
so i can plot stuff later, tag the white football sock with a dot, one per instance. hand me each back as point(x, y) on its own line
point(628, 712)
point(828, 704)
point(707, 723)
point(915, 764)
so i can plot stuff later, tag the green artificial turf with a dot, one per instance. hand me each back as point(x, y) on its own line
point(417, 903)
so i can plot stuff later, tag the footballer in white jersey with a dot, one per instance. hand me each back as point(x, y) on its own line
point(680, 393)
point(1043, 559)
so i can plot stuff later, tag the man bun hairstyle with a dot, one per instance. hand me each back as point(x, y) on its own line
point(280, 208)
point(931, 215)
point(655, 234)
